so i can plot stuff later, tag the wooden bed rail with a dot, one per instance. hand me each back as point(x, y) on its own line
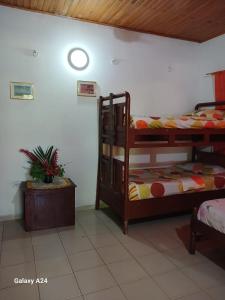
point(209, 104)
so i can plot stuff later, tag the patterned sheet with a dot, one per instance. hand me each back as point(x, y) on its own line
point(194, 122)
point(159, 182)
point(212, 213)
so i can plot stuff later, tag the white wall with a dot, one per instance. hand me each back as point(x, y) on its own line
point(160, 73)
point(211, 59)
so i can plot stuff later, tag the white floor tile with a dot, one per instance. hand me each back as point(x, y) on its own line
point(176, 285)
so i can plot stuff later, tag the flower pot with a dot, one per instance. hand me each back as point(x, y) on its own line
point(48, 179)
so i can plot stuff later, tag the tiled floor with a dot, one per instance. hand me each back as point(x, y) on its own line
point(95, 261)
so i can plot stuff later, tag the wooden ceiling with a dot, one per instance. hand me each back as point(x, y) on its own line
point(193, 20)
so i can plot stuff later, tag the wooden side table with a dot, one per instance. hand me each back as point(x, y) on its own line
point(48, 205)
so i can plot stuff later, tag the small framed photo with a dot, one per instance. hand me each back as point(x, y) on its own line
point(86, 88)
point(21, 91)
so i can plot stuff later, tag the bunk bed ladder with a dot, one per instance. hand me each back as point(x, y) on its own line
point(108, 136)
point(111, 138)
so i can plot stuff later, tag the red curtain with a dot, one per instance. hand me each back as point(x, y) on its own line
point(219, 96)
point(220, 86)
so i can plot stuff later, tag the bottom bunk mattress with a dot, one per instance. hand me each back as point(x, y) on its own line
point(159, 182)
point(212, 213)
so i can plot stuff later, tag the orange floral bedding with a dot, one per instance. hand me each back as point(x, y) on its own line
point(198, 120)
point(159, 182)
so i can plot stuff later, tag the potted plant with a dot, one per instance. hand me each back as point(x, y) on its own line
point(44, 164)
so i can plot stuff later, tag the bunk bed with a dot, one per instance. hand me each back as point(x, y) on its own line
point(115, 130)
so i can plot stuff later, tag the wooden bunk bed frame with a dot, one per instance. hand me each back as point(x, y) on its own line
point(113, 174)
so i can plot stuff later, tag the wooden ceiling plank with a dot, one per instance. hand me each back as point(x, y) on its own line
point(172, 16)
point(19, 3)
point(91, 7)
point(40, 4)
point(173, 20)
point(72, 8)
point(94, 11)
point(26, 3)
point(52, 6)
point(121, 11)
point(129, 13)
point(33, 4)
point(47, 4)
point(104, 13)
point(133, 15)
point(67, 5)
point(192, 13)
point(13, 2)
point(79, 11)
point(158, 10)
point(9, 2)
point(200, 26)
point(85, 9)
point(59, 7)
point(97, 7)
point(201, 18)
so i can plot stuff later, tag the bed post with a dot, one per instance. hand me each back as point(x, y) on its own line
point(126, 162)
point(112, 136)
point(97, 202)
point(193, 233)
point(193, 154)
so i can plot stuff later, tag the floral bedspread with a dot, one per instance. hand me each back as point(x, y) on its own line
point(159, 182)
point(197, 122)
point(212, 213)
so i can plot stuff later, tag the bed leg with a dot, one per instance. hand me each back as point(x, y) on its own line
point(193, 233)
point(97, 199)
point(192, 245)
point(125, 227)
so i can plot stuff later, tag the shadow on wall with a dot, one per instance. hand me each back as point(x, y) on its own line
point(127, 35)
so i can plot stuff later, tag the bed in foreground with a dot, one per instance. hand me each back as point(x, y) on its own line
point(208, 219)
point(118, 128)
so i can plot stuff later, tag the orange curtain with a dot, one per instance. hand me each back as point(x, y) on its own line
point(220, 86)
point(219, 96)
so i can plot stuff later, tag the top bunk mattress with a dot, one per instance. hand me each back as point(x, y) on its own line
point(195, 120)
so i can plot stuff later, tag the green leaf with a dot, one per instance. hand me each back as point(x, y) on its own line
point(48, 154)
point(37, 172)
point(40, 154)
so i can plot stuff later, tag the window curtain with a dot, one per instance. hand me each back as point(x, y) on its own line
point(219, 96)
point(220, 86)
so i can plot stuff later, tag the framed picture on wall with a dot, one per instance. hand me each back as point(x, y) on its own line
point(21, 91)
point(86, 88)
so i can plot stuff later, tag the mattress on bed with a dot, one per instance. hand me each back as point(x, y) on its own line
point(193, 122)
point(158, 182)
point(212, 213)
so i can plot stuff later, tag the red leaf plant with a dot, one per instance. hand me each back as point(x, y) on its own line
point(43, 163)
